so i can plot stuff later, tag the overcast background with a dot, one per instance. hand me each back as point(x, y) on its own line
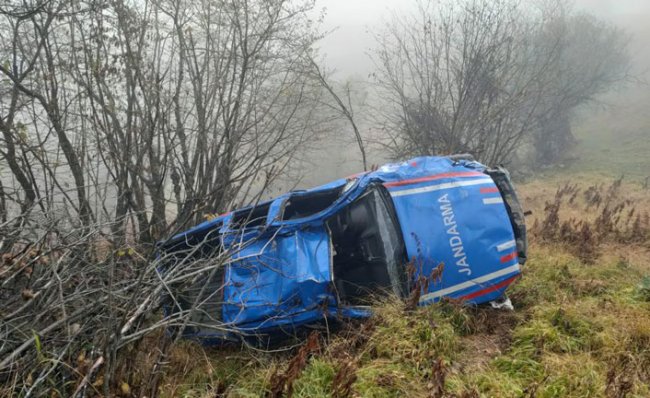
point(351, 22)
point(349, 27)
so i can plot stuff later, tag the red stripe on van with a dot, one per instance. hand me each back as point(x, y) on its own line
point(434, 177)
point(509, 257)
point(490, 289)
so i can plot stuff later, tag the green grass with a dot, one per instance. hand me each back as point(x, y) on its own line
point(578, 331)
point(613, 142)
point(316, 379)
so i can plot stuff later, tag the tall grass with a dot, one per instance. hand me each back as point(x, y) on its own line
point(580, 328)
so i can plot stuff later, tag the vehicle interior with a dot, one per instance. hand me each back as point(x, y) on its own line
point(369, 252)
point(250, 217)
point(305, 205)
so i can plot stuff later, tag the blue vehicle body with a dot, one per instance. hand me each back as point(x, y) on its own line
point(451, 219)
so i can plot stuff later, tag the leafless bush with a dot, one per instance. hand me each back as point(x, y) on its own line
point(147, 115)
point(487, 77)
point(76, 307)
point(606, 217)
point(283, 382)
point(121, 122)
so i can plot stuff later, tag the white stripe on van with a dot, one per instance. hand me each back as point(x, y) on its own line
point(506, 245)
point(476, 281)
point(438, 187)
point(492, 201)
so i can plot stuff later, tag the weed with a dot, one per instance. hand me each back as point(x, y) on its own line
point(571, 376)
point(643, 289)
point(436, 385)
point(602, 217)
point(283, 382)
point(580, 326)
point(344, 378)
point(317, 380)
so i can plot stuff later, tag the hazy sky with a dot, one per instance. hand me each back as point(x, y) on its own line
point(352, 21)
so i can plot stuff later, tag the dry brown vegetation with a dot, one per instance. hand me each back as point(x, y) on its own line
point(124, 121)
point(586, 216)
point(580, 326)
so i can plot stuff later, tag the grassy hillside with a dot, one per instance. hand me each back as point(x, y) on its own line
point(614, 140)
point(580, 328)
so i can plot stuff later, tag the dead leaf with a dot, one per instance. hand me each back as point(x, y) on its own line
point(125, 388)
point(98, 382)
point(28, 294)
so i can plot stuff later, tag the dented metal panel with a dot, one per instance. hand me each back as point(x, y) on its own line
point(450, 211)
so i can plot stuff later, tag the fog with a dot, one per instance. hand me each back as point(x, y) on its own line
point(326, 144)
point(350, 24)
point(349, 27)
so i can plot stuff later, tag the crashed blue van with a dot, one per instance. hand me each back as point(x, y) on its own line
point(319, 254)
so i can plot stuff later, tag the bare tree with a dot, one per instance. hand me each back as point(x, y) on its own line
point(342, 106)
point(66, 321)
point(34, 73)
point(480, 76)
point(162, 111)
point(120, 122)
point(593, 57)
